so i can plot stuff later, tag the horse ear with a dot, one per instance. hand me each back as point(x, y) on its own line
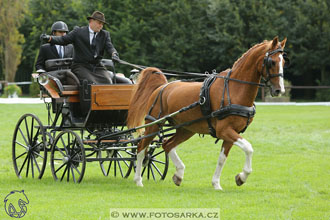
point(275, 42)
point(283, 43)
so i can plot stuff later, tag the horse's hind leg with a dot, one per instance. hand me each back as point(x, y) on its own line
point(226, 146)
point(170, 145)
point(141, 152)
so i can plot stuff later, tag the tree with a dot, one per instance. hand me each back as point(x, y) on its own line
point(11, 41)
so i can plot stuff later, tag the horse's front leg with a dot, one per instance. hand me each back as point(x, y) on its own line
point(248, 150)
point(226, 146)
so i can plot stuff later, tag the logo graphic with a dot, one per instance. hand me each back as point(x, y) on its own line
point(15, 204)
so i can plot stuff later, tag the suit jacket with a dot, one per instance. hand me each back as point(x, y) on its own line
point(83, 53)
point(49, 51)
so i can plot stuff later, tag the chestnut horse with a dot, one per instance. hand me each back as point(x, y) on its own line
point(264, 60)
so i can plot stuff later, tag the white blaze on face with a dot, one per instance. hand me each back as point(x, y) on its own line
point(281, 72)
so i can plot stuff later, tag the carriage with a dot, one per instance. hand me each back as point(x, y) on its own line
point(80, 119)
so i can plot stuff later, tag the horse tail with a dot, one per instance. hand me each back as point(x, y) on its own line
point(149, 80)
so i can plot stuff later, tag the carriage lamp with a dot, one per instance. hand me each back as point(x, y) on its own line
point(43, 79)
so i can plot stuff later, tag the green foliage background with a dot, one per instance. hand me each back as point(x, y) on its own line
point(196, 35)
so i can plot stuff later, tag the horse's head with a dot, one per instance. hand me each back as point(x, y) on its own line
point(273, 65)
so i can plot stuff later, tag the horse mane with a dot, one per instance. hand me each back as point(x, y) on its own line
point(148, 81)
point(265, 43)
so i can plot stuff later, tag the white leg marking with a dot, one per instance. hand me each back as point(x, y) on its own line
point(217, 173)
point(247, 148)
point(177, 163)
point(281, 71)
point(137, 177)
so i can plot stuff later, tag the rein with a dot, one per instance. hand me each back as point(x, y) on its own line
point(201, 75)
point(166, 71)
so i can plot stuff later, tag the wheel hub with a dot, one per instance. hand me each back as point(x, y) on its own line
point(65, 159)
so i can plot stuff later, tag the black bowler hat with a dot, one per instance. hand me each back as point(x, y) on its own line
point(97, 15)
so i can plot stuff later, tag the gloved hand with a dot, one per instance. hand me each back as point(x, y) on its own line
point(45, 38)
point(115, 56)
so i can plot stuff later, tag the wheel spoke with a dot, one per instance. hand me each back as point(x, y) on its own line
point(152, 172)
point(157, 154)
point(38, 155)
point(59, 149)
point(158, 161)
point(63, 175)
point(60, 167)
point(28, 166)
point(63, 143)
point(21, 155)
point(121, 171)
point(68, 176)
point(73, 145)
point(77, 170)
point(108, 171)
point(31, 135)
point(144, 168)
point(73, 176)
point(27, 131)
point(160, 173)
point(35, 161)
point(26, 147)
point(123, 160)
point(36, 138)
point(26, 142)
point(31, 159)
point(19, 173)
point(115, 169)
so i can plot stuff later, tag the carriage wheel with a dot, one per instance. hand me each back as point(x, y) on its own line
point(155, 164)
point(68, 157)
point(29, 152)
point(120, 165)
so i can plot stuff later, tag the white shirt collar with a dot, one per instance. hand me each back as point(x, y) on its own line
point(91, 34)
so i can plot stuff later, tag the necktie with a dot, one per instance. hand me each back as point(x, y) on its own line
point(60, 52)
point(93, 45)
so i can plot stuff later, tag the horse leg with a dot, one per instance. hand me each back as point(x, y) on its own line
point(170, 145)
point(226, 146)
point(247, 148)
point(141, 152)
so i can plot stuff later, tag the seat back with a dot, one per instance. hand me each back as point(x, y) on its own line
point(58, 64)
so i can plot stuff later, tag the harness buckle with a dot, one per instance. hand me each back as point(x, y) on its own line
point(202, 100)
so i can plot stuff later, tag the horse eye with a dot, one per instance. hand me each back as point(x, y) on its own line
point(273, 63)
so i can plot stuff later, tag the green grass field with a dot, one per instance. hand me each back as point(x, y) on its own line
point(290, 178)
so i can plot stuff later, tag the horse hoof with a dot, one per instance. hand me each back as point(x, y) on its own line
point(238, 180)
point(177, 180)
point(139, 184)
point(216, 186)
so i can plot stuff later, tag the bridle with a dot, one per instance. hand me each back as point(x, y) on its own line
point(268, 62)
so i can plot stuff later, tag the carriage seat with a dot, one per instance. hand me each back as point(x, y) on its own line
point(59, 81)
point(68, 80)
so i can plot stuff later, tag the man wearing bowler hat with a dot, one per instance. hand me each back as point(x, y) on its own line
point(89, 43)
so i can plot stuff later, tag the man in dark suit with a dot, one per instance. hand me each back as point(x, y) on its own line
point(89, 43)
point(52, 51)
